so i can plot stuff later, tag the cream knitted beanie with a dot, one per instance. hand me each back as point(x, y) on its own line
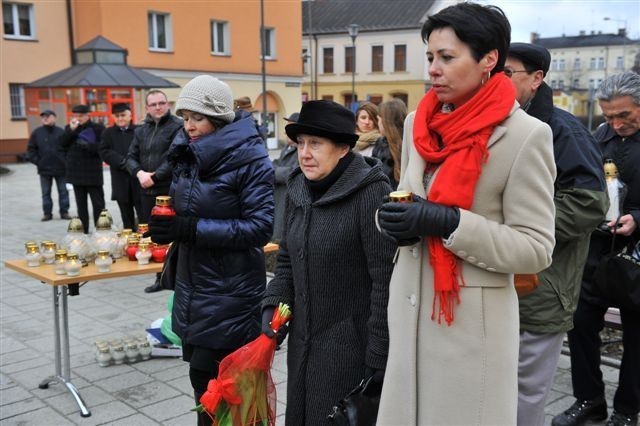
point(208, 96)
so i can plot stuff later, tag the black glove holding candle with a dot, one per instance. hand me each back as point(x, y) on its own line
point(407, 221)
point(166, 229)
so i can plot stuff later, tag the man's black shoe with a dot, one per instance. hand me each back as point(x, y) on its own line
point(155, 287)
point(46, 218)
point(581, 412)
point(619, 419)
point(65, 216)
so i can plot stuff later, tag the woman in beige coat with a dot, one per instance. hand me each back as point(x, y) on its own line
point(487, 171)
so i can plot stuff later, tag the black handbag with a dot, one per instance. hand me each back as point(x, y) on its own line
point(170, 268)
point(618, 276)
point(360, 406)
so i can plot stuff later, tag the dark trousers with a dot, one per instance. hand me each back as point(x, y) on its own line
point(46, 182)
point(584, 343)
point(200, 380)
point(147, 202)
point(128, 211)
point(97, 203)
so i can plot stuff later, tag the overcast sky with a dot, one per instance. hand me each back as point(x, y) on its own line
point(552, 18)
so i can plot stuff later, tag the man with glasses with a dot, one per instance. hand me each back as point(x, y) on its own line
point(546, 313)
point(147, 157)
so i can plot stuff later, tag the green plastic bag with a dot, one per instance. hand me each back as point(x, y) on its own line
point(165, 328)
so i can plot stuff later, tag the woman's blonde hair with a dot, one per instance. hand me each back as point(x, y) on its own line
point(393, 113)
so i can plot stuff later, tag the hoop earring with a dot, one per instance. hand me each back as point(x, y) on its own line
point(482, 82)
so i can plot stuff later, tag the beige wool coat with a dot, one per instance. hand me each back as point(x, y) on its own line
point(466, 373)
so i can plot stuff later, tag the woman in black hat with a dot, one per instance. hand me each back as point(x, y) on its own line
point(333, 266)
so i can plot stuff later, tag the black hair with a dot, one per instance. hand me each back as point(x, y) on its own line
point(217, 123)
point(482, 28)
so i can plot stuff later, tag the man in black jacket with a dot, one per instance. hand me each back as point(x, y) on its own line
point(46, 152)
point(619, 141)
point(114, 147)
point(84, 166)
point(147, 157)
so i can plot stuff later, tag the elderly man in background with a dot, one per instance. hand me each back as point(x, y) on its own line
point(619, 141)
point(581, 202)
point(114, 146)
point(46, 152)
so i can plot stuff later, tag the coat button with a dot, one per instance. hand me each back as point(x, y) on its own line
point(491, 269)
point(482, 265)
point(471, 259)
point(462, 253)
point(300, 254)
point(412, 300)
point(414, 252)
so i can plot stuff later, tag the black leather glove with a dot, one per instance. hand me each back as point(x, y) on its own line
point(377, 375)
point(267, 315)
point(406, 221)
point(166, 229)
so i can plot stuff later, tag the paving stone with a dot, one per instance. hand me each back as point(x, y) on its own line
point(93, 372)
point(13, 394)
point(123, 381)
point(9, 344)
point(135, 420)
point(157, 364)
point(147, 394)
point(105, 413)
point(91, 395)
point(165, 410)
point(38, 416)
point(19, 356)
point(25, 365)
point(167, 374)
point(20, 407)
point(183, 420)
point(183, 384)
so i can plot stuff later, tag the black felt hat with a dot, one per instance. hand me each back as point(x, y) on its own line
point(327, 119)
point(293, 118)
point(80, 109)
point(532, 55)
point(47, 112)
point(120, 107)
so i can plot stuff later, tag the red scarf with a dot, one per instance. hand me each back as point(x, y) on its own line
point(464, 134)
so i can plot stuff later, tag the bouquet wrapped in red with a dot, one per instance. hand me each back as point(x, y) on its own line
point(244, 393)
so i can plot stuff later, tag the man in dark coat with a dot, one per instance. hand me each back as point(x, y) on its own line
point(114, 146)
point(81, 138)
point(46, 152)
point(283, 167)
point(147, 157)
point(581, 202)
point(619, 141)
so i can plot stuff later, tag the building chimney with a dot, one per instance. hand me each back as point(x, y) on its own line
point(622, 32)
point(534, 37)
point(583, 32)
point(593, 32)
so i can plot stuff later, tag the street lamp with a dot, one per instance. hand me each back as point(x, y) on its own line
point(624, 39)
point(353, 33)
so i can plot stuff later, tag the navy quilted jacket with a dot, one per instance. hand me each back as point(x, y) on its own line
point(226, 180)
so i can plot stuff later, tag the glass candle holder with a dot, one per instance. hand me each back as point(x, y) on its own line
point(103, 356)
point(145, 350)
point(33, 256)
point(73, 265)
point(29, 243)
point(142, 228)
point(118, 355)
point(131, 352)
point(49, 252)
point(60, 261)
point(163, 206)
point(159, 252)
point(103, 261)
point(143, 254)
point(132, 248)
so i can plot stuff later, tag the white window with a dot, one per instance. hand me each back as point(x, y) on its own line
point(554, 64)
point(160, 38)
point(576, 83)
point(18, 21)
point(220, 38)
point(576, 64)
point(592, 63)
point(561, 85)
point(269, 43)
point(561, 65)
point(600, 63)
point(16, 94)
point(554, 84)
point(620, 63)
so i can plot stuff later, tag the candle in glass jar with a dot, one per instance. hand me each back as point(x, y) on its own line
point(49, 252)
point(73, 265)
point(60, 261)
point(163, 207)
point(132, 248)
point(143, 254)
point(103, 261)
point(33, 256)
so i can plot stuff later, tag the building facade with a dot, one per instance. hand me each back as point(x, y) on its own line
point(580, 63)
point(173, 40)
point(390, 60)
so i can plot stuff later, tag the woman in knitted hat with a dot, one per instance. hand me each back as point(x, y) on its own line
point(222, 193)
point(333, 267)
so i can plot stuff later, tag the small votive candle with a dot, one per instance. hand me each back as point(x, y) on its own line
point(73, 265)
point(60, 261)
point(49, 252)
point(103, 261)
point(143, 254)
point(33, 256)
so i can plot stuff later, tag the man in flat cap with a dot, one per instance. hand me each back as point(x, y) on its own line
point(114, 146)
point(581, 202)
point(283, 167)
point(81, 138)
point(46, 152)
point(244, 103)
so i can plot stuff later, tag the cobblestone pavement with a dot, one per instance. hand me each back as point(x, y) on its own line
point(144, 393)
